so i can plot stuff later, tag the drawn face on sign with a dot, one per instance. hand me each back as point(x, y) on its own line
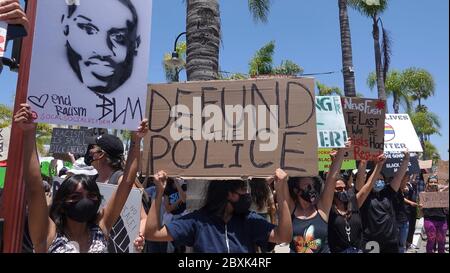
point(101, 47)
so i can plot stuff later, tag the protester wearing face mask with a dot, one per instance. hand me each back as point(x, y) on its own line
point(73, 223)
point(105, 154)
point(224, 224)
point(377, 212)
point(345, 225)
point(310, 209)
point(435, 221)
point(402, 212)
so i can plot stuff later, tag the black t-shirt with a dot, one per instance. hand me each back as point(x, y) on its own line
point(173, 196)
point(337, 234)
point(410, 194)
point(436, 214)
point(378, 217)
point(401, 212)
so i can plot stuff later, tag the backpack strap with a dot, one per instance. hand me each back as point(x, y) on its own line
point(114, 179)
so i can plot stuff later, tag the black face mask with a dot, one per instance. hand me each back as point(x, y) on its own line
point(242, 206)
point(309, 195)
point(82, 211)
point(88, 158)
point(342, 196)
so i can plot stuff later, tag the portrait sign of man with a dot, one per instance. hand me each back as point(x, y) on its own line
point(101, 48)
point(89, 62)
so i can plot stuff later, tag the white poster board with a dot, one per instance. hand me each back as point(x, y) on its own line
point(331, 129)
point(399, 134)
point(4, 142)
point(126, 228)
point(90, 61)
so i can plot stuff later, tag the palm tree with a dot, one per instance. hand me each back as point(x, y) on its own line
point(328, 91)
point(262, 63)
point(426, 124)
point(431, 152)
point(203, 35)
point(420, 84)
point(43, 131)
point(346, 46)
point(372, 9)
point(395, 87)
point(288, 68)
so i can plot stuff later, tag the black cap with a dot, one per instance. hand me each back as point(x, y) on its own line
point(112, 145)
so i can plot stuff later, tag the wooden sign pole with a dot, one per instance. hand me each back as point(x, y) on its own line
point(13, 199)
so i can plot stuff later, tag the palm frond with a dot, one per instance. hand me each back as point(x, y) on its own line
point(259, 9)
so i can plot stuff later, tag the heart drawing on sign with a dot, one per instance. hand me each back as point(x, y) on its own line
point(39, 102)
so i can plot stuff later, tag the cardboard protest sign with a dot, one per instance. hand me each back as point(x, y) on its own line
point(325, 161)
point(69, 141)
point(126, 229)
point(365, 125)
point(232, 128)
point(434, 199)
point(425, 164)
point(442, 170)
point(394, 161)
point(3, 32)
point(90, 61)
point(331, 130)
point(5, 134)
point(399, 134)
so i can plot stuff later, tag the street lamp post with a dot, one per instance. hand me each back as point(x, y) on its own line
point(175, 62)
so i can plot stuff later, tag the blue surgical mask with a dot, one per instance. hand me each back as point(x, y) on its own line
point(379, 185)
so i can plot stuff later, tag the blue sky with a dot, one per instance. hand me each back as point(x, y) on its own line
point(307, 32)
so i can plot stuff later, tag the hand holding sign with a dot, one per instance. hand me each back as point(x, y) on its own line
point(142, 129)
point(381, 159)
point(341, 151)
point(280, 175)
point(24, 118)
point(406, 154)
point(139, 243)
point(160, 181)
point(12, 13)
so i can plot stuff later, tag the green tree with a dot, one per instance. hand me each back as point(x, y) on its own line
point(395, 87)
point(431, 152)
point(328, 91)
point(43, 131)
point(5, 116)
point(172, 73)
point(373, 9)
point(288, 68)
point(426, 124)
point(346, 47)
point(420, 84)
point(203, 35)
point(262, 63)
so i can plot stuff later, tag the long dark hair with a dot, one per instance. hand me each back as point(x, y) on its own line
point(217, 193)
point(68, 186)
point(260, 192)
